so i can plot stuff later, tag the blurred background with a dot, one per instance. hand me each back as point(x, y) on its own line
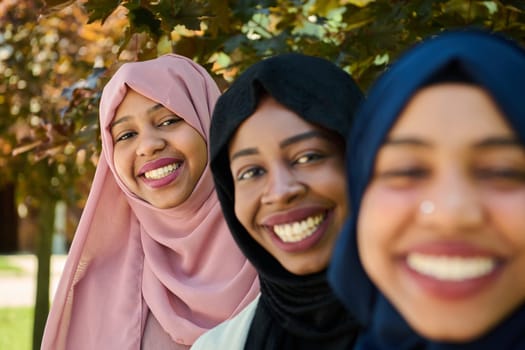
point(56, 55)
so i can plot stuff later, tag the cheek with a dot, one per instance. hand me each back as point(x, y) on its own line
point(330, 182)
point(508, 219)
point(383, 210)
point(371, 231)
point(342, 208)
point(240, 210)
point(382, 218)
point(507, 210)
point(245, 206)
point(123, 165)
point(195, 149)
point(201, 157)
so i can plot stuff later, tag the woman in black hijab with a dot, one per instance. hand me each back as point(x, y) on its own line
point(433, 253)
point(277, 157)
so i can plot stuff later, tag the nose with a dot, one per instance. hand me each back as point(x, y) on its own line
point(283, 187)
point(452, 203)
point(149, 142)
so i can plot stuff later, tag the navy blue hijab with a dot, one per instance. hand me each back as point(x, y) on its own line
point(481, 58)
point(294, 312)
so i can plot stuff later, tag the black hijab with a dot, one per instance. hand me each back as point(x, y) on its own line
point(294, 312)
point(476, 57)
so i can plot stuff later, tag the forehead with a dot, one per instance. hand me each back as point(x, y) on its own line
point(270, 123)
point(449, 111)
point(134, 102)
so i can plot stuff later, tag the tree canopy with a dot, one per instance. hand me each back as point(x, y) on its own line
point(56, 55)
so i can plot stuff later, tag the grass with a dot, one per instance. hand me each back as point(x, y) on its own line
point(16, 328)
point(7, 267)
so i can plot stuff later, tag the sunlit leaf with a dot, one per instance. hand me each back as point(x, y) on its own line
point(358, 3)
point(51, 6)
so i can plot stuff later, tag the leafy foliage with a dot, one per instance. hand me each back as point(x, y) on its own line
point(48, 104)
point(55, 56)
point(49, 89)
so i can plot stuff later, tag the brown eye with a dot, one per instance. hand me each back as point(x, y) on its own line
point(171, 120)
point(250, 173)
point(501, 176)
point(404, 177)
point(125, 136)
point(409, 173)
point(308, 157)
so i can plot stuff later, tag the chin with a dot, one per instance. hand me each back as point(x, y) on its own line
point(305, 270)
point(453, 334)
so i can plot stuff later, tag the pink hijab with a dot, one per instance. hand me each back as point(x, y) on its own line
point(129, 258)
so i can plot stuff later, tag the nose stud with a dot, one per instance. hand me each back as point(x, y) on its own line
point(427, 207)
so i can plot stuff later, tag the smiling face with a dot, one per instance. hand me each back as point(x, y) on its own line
point(290, 183)
point(157, 155)
point(441, 229)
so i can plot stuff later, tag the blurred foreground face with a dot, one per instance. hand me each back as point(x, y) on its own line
point(290, 187)
point(441, 229)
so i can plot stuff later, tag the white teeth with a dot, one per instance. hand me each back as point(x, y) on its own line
point(451, 268)
point(299, 230)
point(161, 172)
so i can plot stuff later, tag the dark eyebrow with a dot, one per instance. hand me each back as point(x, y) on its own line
point(286, 142)
point(499, 141)
point(244, 152)
point(406, 141)
point(490, 142)
point(150, 110)
point(118, 121)
point(304, 136)
point(154, 108)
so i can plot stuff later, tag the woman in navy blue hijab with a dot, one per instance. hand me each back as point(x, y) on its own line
point(433, 255)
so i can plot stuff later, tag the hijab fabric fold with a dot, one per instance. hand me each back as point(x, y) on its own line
point(129, 258)
point(485, 59)
point(294, 312)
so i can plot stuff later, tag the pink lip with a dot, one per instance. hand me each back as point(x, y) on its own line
point(452, 290)
point(291, 216)
point(157, 163)
point(297, 215)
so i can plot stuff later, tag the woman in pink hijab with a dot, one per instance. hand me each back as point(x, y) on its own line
point(152, 265)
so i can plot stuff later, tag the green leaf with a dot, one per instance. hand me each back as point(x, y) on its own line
point(167, 11)
point(245, 9)
point(100, 9)
point(233, 42)
point(143, 20)
point(191, 14)
point(324, 7)
point(517, 4)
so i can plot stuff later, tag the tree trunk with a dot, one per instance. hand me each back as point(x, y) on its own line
point(8, 220)
point(43, 252)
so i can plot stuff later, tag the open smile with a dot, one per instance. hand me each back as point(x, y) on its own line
point(299, 230)
point(162, 172)
point(451, 268)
